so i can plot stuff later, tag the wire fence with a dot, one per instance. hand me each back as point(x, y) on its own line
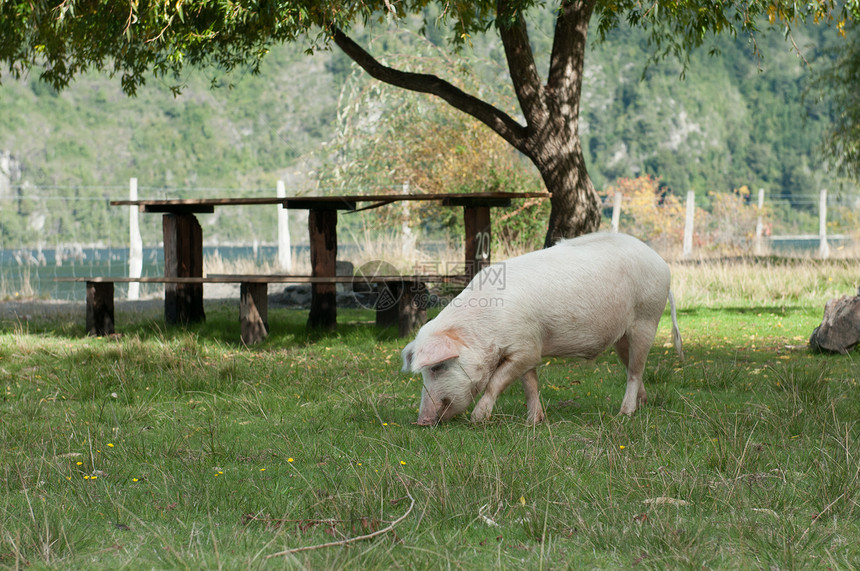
point(736, 223)
point(65, 231)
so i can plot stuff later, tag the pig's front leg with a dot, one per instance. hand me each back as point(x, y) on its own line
point(530, 386)
point(506, 373)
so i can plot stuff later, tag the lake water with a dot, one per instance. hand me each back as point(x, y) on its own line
point(33, 272)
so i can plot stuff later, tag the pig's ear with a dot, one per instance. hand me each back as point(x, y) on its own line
point(435, 349)
point(407, 355)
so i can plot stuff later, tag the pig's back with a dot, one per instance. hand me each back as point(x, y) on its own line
point(574, 299)
point(583, 269)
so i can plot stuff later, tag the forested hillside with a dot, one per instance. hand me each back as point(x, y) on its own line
point(734, 119)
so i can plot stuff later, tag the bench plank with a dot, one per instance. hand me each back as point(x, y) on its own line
point(270, 278)
point(406, 308)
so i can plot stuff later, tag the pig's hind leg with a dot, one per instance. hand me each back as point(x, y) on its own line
point(633, 350)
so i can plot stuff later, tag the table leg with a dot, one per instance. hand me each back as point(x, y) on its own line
point(409, 310)
point(183, 257)
point(476, 220)
point(100, 313)
point(322, 225)
point(254, 312)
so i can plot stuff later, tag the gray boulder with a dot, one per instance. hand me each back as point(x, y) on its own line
point(839, 331)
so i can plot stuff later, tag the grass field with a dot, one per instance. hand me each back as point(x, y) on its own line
point(174, 448)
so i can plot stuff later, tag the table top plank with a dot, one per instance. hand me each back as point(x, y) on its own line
point(339, 202)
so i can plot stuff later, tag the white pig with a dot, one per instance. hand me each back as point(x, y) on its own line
point(574, 299)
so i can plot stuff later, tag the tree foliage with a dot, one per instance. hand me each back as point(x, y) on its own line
point(837, 83)
point(163, 36)
point(132, 39)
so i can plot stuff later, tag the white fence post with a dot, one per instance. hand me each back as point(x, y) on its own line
point(758, 246)
point(616, 211)
point(688, 224)
point(285, 258)
point(135, 250)
point(823, 248)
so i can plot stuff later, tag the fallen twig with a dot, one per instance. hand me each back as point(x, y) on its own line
point(349, 540)
point(819, 515)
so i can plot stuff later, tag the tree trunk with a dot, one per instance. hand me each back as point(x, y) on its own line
point(575, 204)
point(552, 114)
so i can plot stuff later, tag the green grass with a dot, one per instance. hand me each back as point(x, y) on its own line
point(174, 448)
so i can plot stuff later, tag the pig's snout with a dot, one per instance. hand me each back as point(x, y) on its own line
point(432, 411)
point(427, 417)
point(428, 413)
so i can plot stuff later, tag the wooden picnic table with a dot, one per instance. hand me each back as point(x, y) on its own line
point(183, 240)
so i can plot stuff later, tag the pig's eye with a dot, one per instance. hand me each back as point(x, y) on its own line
point(435, 369)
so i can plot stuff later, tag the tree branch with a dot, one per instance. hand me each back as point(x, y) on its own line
point(505, 126)
point(521, 63)
point(568, 49)
point(350, 540)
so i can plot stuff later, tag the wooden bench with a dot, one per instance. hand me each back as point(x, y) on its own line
point(407, 295)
